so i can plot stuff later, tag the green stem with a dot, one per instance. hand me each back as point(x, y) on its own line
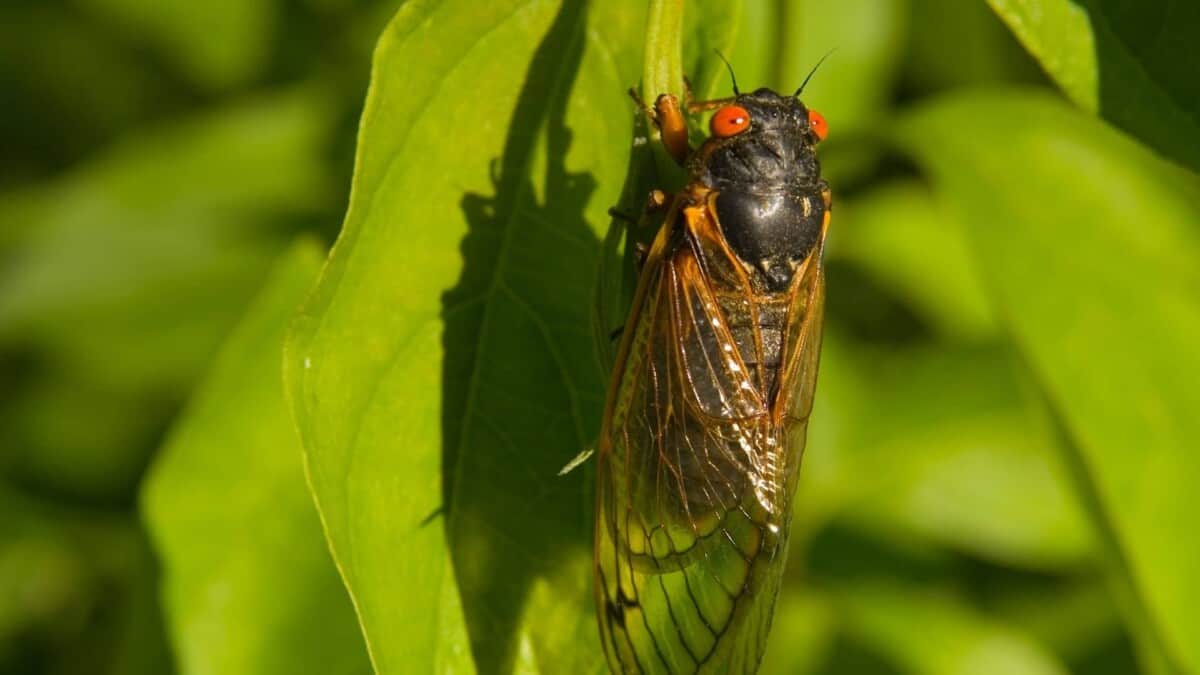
point(663, 65)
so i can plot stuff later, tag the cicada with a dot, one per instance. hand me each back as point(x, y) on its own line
point(712, 387)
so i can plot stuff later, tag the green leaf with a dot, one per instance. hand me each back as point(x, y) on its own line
point(755, 47)
point(906, 242)
point(1077, 619)
point(989, 492)
point(968, 464)
point(935, 633)
point(124, 247)
point(55, 114)
point(709, 26)
point(801, 633)
point(1088, 245)
point(157, 264)
point(219, 44)
point(246, 566)
point(1133, 63)
point(78, 591)
point(443, 370)
point(249, 584)
point(962, 44)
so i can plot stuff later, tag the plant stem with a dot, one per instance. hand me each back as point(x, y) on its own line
point(663, 63)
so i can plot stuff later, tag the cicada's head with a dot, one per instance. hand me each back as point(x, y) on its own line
point(761, 141)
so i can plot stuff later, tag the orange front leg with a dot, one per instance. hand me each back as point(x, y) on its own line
point(672, 126)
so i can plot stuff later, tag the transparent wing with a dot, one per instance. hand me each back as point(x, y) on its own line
point(696, 472)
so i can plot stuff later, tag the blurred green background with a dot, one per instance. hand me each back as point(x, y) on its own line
point(157, 158)
point(1001, 469)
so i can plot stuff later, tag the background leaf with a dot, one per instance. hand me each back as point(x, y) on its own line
point(962, 44)
point(157, 265)
point(249, 572)
point(899, 235)
point(943, 449)
point(1111, 225)
point(808, 623)
point(141, 204)
point(1131, 63)
point(77, 592)
point(219, 44)
point(929, 632)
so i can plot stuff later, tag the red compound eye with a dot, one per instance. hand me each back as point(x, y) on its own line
point(730, 120)
point(816, 122)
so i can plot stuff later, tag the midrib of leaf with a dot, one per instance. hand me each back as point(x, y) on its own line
point(494, 286)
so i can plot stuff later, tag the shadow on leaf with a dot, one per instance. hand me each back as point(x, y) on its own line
point(522, 393)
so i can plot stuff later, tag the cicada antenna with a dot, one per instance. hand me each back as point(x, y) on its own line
point(812, 72)
point(729, 67)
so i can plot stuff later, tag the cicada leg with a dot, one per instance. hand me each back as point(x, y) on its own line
point(692, 106)
point(657, 202)
point(672, 126)
point(670, 119)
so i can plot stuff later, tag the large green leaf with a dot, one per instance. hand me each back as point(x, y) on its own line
point(1133, 63)
point(444, 370)
point(1088, 244)
point(247, 570)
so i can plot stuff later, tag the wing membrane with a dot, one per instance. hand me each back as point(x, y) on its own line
point(696, 465)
